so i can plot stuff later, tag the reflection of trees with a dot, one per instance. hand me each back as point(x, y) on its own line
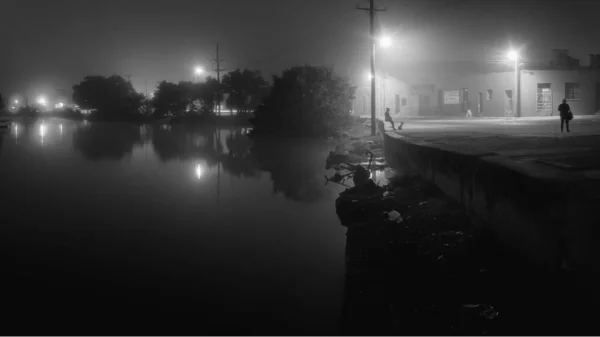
point(239, 160)
point(182, 142)
point(296, 167)
point(106, 141)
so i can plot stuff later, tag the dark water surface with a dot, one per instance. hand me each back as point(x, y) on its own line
point(121, 228)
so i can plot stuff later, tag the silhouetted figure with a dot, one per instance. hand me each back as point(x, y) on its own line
point(565, 115)
point(388, 118)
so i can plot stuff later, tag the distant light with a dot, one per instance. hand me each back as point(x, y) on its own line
point(385, 41)
point(61, 130)
point(512, 55)
point(199, 171)
point(16, 101)
point(198, 70)
point(42, 101)
point(59, 105)
point(12, 107)
point(369, 76)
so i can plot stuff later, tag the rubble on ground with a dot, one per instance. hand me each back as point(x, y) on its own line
point(418, 242)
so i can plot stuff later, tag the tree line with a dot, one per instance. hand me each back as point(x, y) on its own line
point(302, 101)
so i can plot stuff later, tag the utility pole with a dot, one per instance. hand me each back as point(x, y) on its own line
point(219, 70)
point(372, 11)
point(517, 88)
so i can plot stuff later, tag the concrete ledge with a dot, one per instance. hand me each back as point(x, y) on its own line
point(543, 212)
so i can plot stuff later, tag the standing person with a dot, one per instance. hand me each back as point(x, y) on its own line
point(565, 115)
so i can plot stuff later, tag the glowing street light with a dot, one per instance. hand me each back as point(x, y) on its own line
point(16, 101)
point(199, 171)
point(385, 41)
point(513, 55)
point(42, 101)
point(198, 71)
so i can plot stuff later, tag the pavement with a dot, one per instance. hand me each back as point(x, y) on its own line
point(536, 138)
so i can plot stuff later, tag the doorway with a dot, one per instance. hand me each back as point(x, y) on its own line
point(424, 105)
point(597, 96)
point(544, 99)
point(508, 103)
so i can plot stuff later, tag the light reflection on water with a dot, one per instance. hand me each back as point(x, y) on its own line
point(232, 225)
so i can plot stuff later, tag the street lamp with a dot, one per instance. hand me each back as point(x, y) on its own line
point(198, 71)
point(385, 41)
point(42, 101)
point(513, 55)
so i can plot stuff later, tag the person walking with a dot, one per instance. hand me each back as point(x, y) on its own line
point(565, 115)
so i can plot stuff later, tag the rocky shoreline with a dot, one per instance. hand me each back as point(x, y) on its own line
point(415, 265)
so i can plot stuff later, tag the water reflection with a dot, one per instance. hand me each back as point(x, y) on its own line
point(105, 141)
point(296, 167)
point(143, 227)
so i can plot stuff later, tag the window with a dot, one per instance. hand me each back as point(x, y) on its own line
point(572, 91)
point(489, 94)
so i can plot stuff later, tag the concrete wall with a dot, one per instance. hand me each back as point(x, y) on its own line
point(546, 217)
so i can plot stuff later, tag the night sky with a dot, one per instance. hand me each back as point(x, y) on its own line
point(47, 46)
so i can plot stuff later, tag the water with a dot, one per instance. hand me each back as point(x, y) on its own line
point(121, 228)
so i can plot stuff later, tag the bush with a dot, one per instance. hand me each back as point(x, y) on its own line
point(305, 101)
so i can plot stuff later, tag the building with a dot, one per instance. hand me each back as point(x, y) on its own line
point(449, 89)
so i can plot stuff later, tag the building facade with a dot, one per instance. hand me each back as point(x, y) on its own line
point(447, 90)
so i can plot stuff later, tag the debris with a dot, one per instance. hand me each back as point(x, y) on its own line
point(395, 216)
point(423, 203)
point(485, 310)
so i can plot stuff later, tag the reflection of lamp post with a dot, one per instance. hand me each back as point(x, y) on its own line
point(514, 56)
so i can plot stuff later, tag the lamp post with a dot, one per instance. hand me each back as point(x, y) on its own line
point(42, 102)
point(514, 56)
point(384, 42)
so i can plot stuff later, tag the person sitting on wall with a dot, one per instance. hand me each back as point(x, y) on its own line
point(388, 118)
point(565, 115)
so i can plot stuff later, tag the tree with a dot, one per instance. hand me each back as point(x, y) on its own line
point(179, 99)
point(245, 89)
point(209, 95)
point(169, 99)
point(306, 101)
point(110, 96)
point(2, 105)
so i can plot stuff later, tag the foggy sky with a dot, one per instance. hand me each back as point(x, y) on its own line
point(51, 45)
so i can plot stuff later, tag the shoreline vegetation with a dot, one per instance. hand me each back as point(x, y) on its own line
point(227, 120)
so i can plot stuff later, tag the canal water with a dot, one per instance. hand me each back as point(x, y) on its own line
point(155, 229)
